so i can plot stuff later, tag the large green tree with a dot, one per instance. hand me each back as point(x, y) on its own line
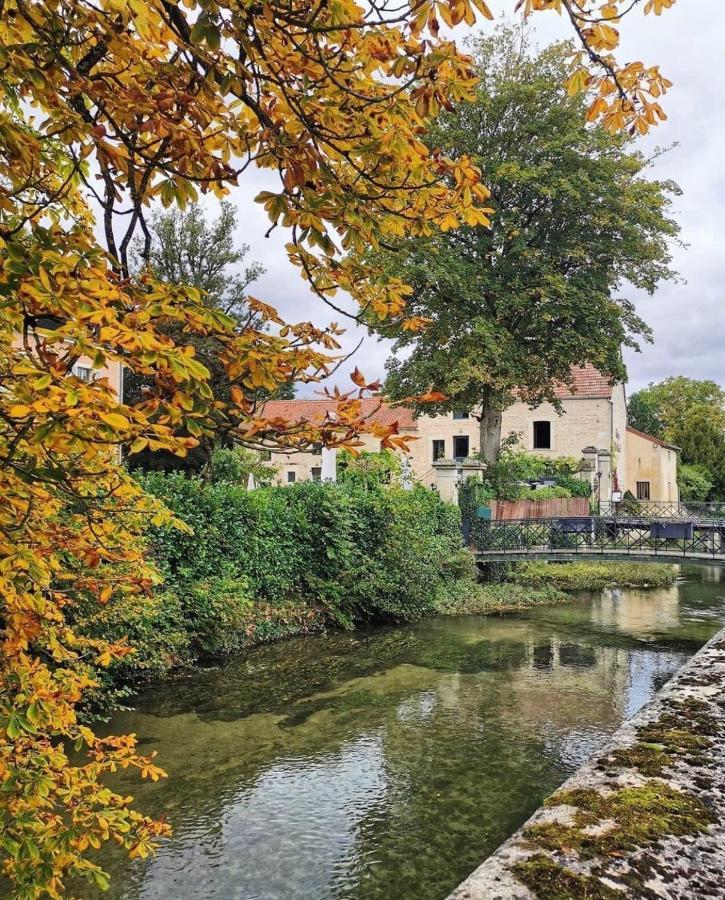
point(577, 224)
point(661, 409)
point(189, 247)
point(701, 439)
point(689, 413)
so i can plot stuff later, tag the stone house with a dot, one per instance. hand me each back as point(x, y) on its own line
point(592, 427)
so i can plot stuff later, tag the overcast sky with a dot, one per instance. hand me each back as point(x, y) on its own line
point(687, 318)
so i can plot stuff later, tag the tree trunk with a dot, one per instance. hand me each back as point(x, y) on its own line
point(490, 433)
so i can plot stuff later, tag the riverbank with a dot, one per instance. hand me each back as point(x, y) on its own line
point(212, 619)
point(645, 818)
point(254, 567)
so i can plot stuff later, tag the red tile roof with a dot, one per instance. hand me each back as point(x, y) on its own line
point(372, 408)
point(650, 437)
point(588, 382)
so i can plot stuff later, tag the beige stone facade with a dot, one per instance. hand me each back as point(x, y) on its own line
point(651, 468)
point(593, 418)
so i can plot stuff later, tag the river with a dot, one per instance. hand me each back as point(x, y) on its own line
point(386, 764)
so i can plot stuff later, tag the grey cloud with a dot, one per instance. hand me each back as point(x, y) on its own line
point(687, 318)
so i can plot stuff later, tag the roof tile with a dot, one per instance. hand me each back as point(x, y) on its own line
point(587, 382)
point(372, 408)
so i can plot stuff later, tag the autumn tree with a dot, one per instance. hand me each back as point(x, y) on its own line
point(112, 106)
point(577, 222)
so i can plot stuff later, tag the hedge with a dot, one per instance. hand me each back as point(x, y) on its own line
point(280, 560)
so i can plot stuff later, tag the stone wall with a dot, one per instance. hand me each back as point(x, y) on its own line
point(645, 818)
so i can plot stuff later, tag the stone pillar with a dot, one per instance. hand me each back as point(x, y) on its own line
point(446, 479)
point(329, 464)
point(451, 474)
point(589, 467)
point(605, 480)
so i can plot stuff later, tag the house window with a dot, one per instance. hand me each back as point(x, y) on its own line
point(265, 455)
point(439, 449)
point(316, 448)
point(291, 477)
point(83, 373)
point(643, 490)
point(316, 473)
point(542, 435)
point(460, 414)
point(460, 447)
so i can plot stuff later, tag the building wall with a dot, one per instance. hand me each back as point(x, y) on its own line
point(112, 371)
point(648, 461)
point(585, 422)
point(618, 448)
point(440, 428)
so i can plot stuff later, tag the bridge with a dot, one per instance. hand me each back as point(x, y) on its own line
point(615, 535)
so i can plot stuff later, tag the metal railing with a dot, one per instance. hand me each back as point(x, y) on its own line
point(691, 510)
point(597, 535)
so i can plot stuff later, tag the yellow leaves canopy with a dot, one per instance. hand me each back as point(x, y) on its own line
point(132, 102)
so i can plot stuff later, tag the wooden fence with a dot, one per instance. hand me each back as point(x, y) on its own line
point(503, 510)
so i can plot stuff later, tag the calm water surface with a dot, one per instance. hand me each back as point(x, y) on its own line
point(385, 765)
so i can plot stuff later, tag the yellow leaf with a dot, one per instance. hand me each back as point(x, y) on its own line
point(115, 420)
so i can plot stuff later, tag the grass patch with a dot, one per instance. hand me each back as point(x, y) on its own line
point(593, 576)
point(497, 599)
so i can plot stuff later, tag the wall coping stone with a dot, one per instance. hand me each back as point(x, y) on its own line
point(673, 868)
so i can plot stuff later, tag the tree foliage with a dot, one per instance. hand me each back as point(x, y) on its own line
point(695, 482)
point(701, 438)
point(186, 248)
point(513, 306)
point(114, 105)
point(234, 465)
point(661, 409)
point(369, 469)
point(691, 415)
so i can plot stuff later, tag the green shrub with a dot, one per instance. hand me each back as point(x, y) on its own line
point(555, 492)
point(695, 482)
point(235, 465)
point(369, 469)
point(508, 479)
point(360, 553)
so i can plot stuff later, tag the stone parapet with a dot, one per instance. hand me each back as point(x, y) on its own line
point(645, 818)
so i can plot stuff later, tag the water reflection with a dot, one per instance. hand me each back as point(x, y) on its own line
point(385, 765)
